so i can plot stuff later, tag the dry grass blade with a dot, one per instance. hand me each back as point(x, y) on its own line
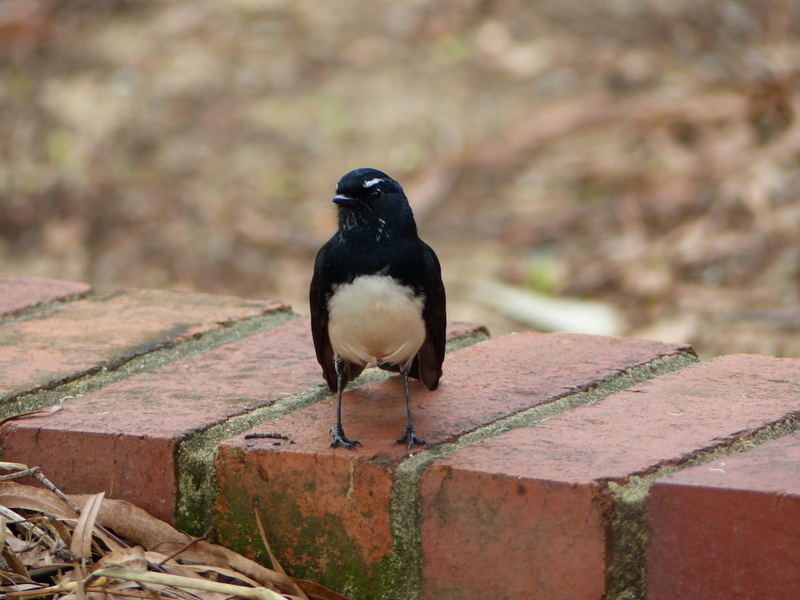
point(184, 548)
point(275, 564)
point(84, 529)
point(12, 466)
point(139, 527)
point(219, 556)
point(259, 593)
point(31, 414)
point(33, 530)
point(77, 552)
point(274, 561)
point(226, 573)
point(80, 588)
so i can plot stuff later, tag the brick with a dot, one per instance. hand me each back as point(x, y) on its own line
point(19, 293)
point(501, 493)
point(535, 532)
point(124, 438)
point(481, 384)
point(73, 339)
point(729, 528)
point(316, 493)
point(324, 514)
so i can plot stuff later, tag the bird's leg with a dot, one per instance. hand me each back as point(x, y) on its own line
point(410, 436)
point(339, 439)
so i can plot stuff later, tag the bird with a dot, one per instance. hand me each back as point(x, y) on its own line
point(376, 295)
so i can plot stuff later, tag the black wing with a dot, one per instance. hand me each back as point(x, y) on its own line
point(320, 289)
point(427, 365)
point(317, 299)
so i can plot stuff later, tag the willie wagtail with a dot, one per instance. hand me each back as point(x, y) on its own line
point(376, 294)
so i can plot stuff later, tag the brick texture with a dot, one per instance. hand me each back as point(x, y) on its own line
point(20, 293)
point(561, 466)
point(728, 528)
point(123, 439)
point(318, 503)
point(501, 535)
point(76, 338)
point(510, 483)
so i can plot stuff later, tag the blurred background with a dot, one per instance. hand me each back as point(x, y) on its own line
point(623, 167)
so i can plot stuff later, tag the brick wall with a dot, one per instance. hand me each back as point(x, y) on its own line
point(561, 466)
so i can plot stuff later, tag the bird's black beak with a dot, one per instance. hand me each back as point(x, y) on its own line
point(343, 200)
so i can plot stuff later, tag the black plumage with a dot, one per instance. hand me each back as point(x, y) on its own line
point(377, 294)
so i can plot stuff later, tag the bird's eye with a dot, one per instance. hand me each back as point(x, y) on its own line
point(376, 192)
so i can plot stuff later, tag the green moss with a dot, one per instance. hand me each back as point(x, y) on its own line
point(197, 491)
point(316, 548)
point(628, 540)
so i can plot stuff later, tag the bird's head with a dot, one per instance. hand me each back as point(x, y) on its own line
point(370, 203)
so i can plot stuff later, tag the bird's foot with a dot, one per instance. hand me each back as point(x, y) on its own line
point(411, 437)
point(339, 439)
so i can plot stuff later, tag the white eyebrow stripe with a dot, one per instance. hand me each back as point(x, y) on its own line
point(372, 182)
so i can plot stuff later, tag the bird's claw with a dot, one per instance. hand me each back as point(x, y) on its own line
point(411, 437)
point(339, 439)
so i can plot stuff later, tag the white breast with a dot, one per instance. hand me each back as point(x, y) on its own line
point(376, 317)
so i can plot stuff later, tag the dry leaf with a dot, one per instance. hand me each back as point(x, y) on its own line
point(129, 558)
point(224, 557)
point(35, 545)
point(15, 495)
point(316, 591)
point(14, 563)
point(135, 524)
point(82, 536)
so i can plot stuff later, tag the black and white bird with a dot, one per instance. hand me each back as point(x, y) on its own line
point(377, 294)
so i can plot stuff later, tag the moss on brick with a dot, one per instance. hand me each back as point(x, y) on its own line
point(318, 549)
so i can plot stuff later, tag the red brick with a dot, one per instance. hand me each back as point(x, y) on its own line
point(481, 384)
point(729, 528)
point(495, 523)
point(123, 438)
point(323, 513)
point(75, 338)
point(473, 498)
point(508, 536)
point(19, 293)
